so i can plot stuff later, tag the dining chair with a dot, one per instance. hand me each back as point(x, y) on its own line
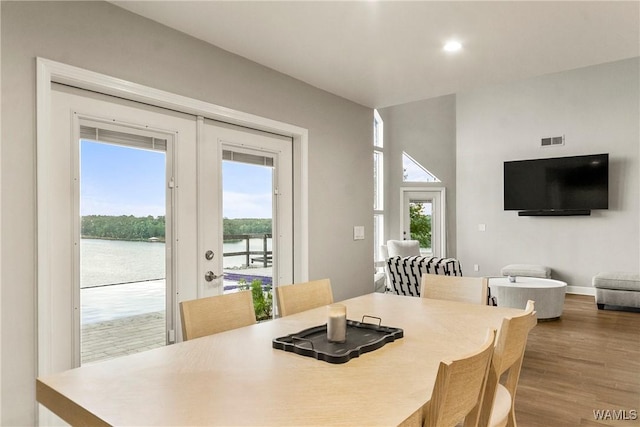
point(210, 315)
point(499, 400)
point(458, 389)
point(303, 296)
point(455, 288)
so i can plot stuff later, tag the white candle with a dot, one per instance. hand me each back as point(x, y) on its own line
point(337, 323)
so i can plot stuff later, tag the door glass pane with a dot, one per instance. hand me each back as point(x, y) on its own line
point(247, 210)
point(122, 250)
point(421, 215)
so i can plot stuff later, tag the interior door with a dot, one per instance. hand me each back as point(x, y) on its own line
point(423, 214)
point(245, 208)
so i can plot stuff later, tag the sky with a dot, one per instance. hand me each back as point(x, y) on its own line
point(118, 180)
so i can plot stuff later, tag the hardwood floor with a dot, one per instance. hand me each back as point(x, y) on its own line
point(588, 360)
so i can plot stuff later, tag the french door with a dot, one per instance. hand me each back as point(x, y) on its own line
point(245, 208)
point(199, 160)
point(423, 219)
point(62, 111)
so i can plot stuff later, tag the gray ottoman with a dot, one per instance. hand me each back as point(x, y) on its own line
point(526, 270)
point(618, 289)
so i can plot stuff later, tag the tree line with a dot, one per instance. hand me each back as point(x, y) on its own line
point(129, 227)
point(420, 228)
point(123, 227)
point(246, 226)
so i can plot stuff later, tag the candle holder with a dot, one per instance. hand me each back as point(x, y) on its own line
point(337, 323)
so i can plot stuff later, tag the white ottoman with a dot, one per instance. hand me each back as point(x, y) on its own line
point(548, 294)
point(526, 270)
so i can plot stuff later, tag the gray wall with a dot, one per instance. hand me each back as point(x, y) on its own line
point(426, 130)
point(597, 109)
point(101, 37)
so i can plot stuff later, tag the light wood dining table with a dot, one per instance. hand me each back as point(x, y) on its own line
point(238, 378)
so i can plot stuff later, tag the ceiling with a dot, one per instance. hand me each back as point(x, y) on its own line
point(383, 53)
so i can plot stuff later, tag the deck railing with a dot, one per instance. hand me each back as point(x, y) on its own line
point(264, 256)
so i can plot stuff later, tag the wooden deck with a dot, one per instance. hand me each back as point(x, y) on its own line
point(128, 318)
point(119, 337)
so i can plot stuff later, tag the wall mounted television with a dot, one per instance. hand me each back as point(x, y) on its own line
point(557, 186)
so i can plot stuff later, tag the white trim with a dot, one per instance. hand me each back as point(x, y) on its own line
point(581, 290)
point(48, 72)
point(201, 291)
point(75, 238)
point(0, 236)
point(43, 235)
point(442, 211)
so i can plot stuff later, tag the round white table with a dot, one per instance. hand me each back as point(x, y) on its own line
point(548, 294)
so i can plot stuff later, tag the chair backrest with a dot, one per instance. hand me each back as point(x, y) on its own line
point(458, 388)
point(507, 356)
point(384, 251)
point(455, 288)
point(303, 296)
point(403, 248)
point(207, 316)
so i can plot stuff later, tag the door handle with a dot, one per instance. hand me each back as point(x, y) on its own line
point(210, 276)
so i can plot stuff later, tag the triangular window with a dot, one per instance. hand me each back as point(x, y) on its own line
point(413, 171)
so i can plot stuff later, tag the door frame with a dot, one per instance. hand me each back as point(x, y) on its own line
point(48, 72)
point(441, 210)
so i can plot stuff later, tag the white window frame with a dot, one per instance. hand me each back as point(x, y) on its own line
point(440, 242)
point(378, 208)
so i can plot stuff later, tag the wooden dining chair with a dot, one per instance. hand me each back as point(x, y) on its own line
point(455, 288)
point(458, 389)
point(499, 400)
point(303, 296)
point(207, 316)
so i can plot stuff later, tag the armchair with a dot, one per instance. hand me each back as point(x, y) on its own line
point(405, 273)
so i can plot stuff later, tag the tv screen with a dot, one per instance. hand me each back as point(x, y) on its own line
point(557, 184)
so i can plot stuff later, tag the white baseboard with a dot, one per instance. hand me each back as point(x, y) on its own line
point(581, 290)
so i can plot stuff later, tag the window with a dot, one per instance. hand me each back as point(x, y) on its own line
point(378, 187)
point(412, 171)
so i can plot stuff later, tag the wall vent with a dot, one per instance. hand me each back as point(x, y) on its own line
point(554, 140)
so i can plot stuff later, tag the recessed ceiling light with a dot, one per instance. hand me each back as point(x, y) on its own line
point(452, 46)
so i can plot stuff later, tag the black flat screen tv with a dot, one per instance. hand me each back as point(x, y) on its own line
point(557, 186)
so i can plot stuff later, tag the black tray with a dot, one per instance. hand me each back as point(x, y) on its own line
point(361, 338)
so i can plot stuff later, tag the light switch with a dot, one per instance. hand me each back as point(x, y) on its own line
point(482, 227)
point(358, 232)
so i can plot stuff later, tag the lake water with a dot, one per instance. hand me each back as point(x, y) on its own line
point(106, 262)
point(139, 270)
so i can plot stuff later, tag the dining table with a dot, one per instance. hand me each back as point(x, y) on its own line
point(238, 378)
